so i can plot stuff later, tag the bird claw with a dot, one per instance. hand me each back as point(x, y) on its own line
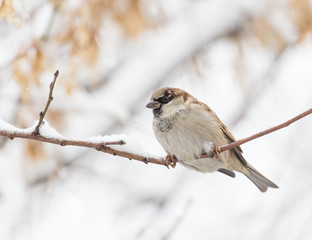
point(216, 152)
point(171, 160)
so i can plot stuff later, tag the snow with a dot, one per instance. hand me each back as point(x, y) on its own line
point(110, 138)
point(47, 131)
point(88, 194)
point(6, 126)
point(131, 144)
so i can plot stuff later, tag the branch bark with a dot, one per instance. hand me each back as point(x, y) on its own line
point(50, 98)
point(105, 146)
point(265, 132)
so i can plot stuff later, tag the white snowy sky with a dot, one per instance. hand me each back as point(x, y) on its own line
point(98, 196)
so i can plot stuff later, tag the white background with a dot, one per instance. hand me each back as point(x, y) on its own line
point(86, 194)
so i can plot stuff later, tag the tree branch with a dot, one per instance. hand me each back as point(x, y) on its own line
point(104, 146)
point(265, 132)
point(50, 98)
point(58, 141)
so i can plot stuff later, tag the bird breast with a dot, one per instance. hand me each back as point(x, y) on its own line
point(179, 135)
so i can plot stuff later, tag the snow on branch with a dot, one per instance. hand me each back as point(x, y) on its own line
point(41, 131)
point(50, 135)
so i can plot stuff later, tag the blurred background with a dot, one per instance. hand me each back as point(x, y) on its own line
point(250, 61)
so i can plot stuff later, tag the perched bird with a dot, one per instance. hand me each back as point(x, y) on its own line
point(187, 128)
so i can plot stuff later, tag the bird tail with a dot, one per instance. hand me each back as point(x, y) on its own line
point(259, 180)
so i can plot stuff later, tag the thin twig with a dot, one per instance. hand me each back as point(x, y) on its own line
point(265, 132)
point(103, 147)
point(50, 98)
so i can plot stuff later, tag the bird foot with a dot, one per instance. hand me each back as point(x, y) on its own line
point(216, 152)
point(171, 160)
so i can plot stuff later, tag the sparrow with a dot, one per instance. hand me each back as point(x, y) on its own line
point(188, 129)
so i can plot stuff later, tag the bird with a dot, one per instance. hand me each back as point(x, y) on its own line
point(188, 129)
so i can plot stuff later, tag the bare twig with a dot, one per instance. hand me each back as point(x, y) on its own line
point(50, 98)
point(265, 132)
point(103, 147)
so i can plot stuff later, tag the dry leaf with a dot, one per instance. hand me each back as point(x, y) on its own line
point(267, 34)
point(131, 19)
point(301, 13)
point(34, 151)
point(7, 12)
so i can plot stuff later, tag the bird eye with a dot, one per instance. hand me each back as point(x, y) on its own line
point(165, 99)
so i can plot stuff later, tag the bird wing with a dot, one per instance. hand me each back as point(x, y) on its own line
point(237, 150)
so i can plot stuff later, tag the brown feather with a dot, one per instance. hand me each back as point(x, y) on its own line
point(187, 127)
point(227, 172)
point(237, 150)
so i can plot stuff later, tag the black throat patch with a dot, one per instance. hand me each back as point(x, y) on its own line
point(157, 112)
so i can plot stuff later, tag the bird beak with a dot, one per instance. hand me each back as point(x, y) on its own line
point(153, 104)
